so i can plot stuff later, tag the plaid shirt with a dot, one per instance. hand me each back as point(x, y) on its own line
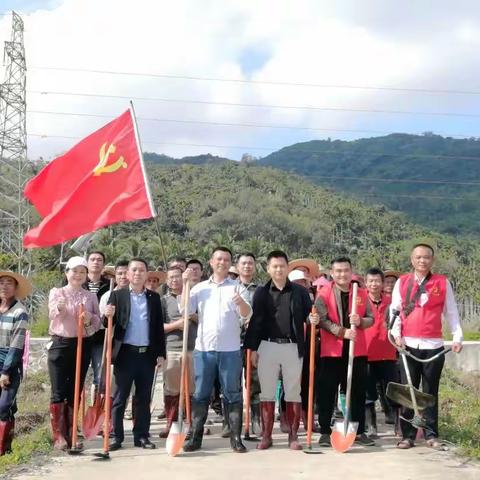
point(13, 327)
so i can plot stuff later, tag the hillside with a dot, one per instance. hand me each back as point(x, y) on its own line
point(258, 209)
point(435, 180)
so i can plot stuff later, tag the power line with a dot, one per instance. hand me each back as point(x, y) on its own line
point(261, 82)
point(256, 105)
point(290, 149)
point(396, 180)
point(241, 125)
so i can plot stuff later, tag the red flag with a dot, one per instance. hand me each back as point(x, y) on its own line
point(100, 181)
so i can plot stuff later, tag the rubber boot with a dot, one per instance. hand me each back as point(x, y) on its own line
point(199, 417)
point(255, 421)
point(294, 412)
point(235, 411)
point(11, 434)
point(267, 410)
point(70, 426)
point(171, 412)
point(5, 429)
point(58, 421)
point(226, 421)
point(283, 422)
point(371, 420)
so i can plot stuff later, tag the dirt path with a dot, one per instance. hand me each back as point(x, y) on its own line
point(216, 461)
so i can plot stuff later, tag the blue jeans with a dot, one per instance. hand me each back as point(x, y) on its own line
point(228, 366)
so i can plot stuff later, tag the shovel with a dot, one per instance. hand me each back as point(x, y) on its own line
point(344, 433)
point(309, 449)
point(94, 417)
point(179, 430)
point(248, 387)
point(105, 455)
point(76, 449)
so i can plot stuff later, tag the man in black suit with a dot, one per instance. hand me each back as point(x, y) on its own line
point(138, 346)
point(276, 337)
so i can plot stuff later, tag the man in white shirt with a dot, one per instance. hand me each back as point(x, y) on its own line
point(221, 314)
point(419, 301)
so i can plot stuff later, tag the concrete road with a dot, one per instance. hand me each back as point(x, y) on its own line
point(216, 461)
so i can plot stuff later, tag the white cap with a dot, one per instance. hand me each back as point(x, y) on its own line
point(76, 262)
point(296, 275)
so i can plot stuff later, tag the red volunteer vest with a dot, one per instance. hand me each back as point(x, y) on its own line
point(330, 345)
point(376, 336)
point(424, 321)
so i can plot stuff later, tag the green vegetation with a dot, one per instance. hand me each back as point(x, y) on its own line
point(32, 433)
point(460, 411)
point(452, 163)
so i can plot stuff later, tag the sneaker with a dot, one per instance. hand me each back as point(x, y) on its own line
point(364, 440)
point(324, 440)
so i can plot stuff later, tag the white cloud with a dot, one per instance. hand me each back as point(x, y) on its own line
point(347, 42)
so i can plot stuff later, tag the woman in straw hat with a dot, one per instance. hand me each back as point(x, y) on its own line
point(13, 328)
point(63, 309)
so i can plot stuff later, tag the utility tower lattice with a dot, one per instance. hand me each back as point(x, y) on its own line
point(14, 167)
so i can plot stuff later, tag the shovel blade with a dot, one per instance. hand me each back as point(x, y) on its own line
point(340, 440)
point(92, 422)
point(176, 438)
point(400, 394)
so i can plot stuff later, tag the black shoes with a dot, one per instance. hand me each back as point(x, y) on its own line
point(144, 443)
point(115, 446)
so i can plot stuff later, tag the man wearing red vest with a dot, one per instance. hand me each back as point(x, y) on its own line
point(382, 355)
point(422, 298)
point(334, 304)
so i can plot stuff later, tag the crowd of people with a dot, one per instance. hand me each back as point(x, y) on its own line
point(229, 313)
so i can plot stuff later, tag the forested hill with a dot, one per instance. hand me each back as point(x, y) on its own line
point(257, 209)
point(435, 180)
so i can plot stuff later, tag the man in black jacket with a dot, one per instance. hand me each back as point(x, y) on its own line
point(276, 337)
point(138, 346)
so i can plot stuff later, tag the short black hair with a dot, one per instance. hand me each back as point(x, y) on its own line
point(424, 245)
point(277, 254)
point(375, 271)
point(138, 259)
point(222, 249)
point(246, 254)
point(195, 261)
point(121, 263)
point(176, 260)
point(341, 260)
point(98, 252)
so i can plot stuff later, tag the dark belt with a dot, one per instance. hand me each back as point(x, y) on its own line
point(281, 340)
point(134, 348)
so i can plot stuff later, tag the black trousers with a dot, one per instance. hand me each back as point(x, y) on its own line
point(333, 373)
point(381, 372)
point(130, 367)
point(61, 362)
point(8, 395)
point(429, 374)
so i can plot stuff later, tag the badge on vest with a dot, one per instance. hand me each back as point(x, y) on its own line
point(435, 291)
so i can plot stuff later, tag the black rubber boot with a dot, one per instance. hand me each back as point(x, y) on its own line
point(235, 411)
point(226, 422)
point(199, 417)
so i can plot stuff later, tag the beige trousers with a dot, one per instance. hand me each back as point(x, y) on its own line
point(273, 359)
point(172, 371)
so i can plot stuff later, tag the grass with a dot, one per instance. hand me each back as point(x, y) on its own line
point(460, 411)
point(32, 433)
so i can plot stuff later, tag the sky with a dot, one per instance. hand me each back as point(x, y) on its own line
point(229, 77)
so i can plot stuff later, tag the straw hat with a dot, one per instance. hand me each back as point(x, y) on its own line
point(162, 276)
point(308, 263)
point(109, 270)
point(392, 273)
point(233, 270)
point(24, 287)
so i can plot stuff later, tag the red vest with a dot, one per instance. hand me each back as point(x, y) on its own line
point(424, 321)
point(376, 336)
point(331, 345)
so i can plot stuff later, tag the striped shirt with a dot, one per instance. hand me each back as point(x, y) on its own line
point(13, 327)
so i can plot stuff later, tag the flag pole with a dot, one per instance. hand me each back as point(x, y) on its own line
point(147, 183)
